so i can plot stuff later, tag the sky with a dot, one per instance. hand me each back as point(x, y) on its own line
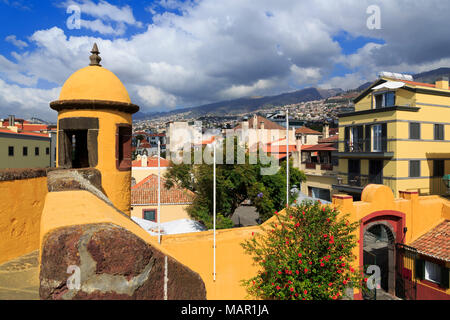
point(172, 54)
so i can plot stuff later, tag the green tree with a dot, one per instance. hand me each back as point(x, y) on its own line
point(305, 253)
point(234, 184)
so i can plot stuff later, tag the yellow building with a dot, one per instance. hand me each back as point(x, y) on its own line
point(24, 149)
point(399, 136)
point(94, 106)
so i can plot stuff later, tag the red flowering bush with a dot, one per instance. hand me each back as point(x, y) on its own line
point(305, 253)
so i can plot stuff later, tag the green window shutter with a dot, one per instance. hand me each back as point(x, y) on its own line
point(420, 269)
point(444, 277)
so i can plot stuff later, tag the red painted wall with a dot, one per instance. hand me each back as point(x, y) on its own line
point(427, 293)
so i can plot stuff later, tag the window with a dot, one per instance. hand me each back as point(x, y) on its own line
point(36, 151)
point(414, 168)
point(438, 168)
point(47, 150)
point(149, 214)
point(123, 147)
point(414, 130)
point(376, 134)
point(78, 148)
point(25, 151)
point(11, 151)
point(77, 139)
point(432, 272)
point(438, 132)
point(383, 100)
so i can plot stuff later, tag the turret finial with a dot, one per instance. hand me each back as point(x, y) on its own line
point(95, 58)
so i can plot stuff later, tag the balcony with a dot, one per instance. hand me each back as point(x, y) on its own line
point(355, 183)
point(319, 168)
point(380, 148)
point(310, 165)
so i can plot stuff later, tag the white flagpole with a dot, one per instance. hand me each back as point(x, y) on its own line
point(214, 209)
point(159, 191)
point(287, 156)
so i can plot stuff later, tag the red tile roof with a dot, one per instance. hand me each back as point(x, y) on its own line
point(330, 139)
point(152, 162)
point(267, 124)
point(320, 147)
point(306, 130)
point(306, 146)
point(25, 133)
point(144, 144)
point(146, 192)
point(34, 127)
point(279, 148)
point(435, 243)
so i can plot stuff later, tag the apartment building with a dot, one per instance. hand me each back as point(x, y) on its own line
point(398, 135)
point(320, 164)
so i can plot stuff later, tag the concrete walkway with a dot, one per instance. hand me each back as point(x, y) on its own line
point(19, 278)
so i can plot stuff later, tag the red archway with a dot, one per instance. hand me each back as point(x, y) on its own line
point(393, 220)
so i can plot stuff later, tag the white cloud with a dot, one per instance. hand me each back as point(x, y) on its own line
point(109, 19)
point(18, 43)
point(26, 102)
point(218, 50)
point(155, 97)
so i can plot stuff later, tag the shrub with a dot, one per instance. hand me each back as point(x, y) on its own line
point(305, 253)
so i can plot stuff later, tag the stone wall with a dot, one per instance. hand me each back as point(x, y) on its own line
point(113, 264)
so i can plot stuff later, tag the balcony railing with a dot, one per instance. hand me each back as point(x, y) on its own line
point(310, 165)
point(323, 166)
point(368, 145)
point(361, 181)
point(326, 166)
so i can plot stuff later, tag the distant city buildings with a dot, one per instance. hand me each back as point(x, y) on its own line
point(26, 145)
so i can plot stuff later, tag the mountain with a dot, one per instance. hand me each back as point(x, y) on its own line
point(432, 76)
point(249, 104)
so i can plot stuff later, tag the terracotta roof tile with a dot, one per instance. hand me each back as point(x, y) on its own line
point(320, 147)
point(306, 130)
point(331, 139)
point(146, 192)
point(436, 242)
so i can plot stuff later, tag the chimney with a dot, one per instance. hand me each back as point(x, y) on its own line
point(11, 120)
point(245, 126)
point(255, 122)
point(326, 131)
point(261, 125)
point(442, 83)
point(144, 161)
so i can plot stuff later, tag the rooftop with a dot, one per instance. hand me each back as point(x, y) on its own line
point(435, 243)
point(306, 130)
point(146, 192)
point(152, 162)
point(267, 124)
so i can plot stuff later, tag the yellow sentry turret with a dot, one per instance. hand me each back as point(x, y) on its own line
point(94, 128)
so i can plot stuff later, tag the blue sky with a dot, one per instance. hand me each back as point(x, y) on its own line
point(172, 54)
